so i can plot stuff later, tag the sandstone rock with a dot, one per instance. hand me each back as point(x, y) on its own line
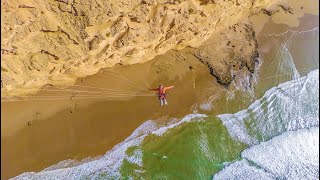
point(56, 41)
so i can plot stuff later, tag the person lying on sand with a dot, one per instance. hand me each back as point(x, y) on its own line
point(162, 93)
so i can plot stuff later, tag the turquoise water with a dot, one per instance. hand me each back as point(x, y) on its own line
point(273, 137)
point(193, 150)
point(199, 145)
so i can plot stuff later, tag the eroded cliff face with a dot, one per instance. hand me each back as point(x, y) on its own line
point(57, 41)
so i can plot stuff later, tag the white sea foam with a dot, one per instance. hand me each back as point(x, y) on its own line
point(187, 118)
point(203, 143)
point(292, 155)
point(245, 81)
point(300, 96)
point(206, 106)
point(289, 106)
point(109, 163)
point(242, 170)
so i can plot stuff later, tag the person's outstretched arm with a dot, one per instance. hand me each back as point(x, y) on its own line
point(169, 87)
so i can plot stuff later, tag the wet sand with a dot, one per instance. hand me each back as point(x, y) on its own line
point(78, 128)
point(302, 49)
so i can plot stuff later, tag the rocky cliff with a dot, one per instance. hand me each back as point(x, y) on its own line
point(57, 41)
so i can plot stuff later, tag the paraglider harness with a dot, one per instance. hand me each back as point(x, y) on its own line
point(161, 94)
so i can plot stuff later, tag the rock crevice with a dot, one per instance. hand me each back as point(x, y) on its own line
point(86, 36)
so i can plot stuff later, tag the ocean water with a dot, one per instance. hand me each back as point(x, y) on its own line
point(289, 106)
point(283, 124)
point(292, 155)
point(275, 137)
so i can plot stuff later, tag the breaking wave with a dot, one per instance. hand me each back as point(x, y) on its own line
point(283, 124)
point(289, 106)
point(292, 155)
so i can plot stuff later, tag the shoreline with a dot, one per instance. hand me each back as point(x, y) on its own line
point(107, 122)
point(88, 110)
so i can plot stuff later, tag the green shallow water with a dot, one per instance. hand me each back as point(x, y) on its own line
point(193, 150)
point(200, 148)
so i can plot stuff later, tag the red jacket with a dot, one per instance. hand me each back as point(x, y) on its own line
point(162, 91)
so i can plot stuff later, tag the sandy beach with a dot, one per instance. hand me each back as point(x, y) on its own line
point(78, 128)
point(99, 111)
